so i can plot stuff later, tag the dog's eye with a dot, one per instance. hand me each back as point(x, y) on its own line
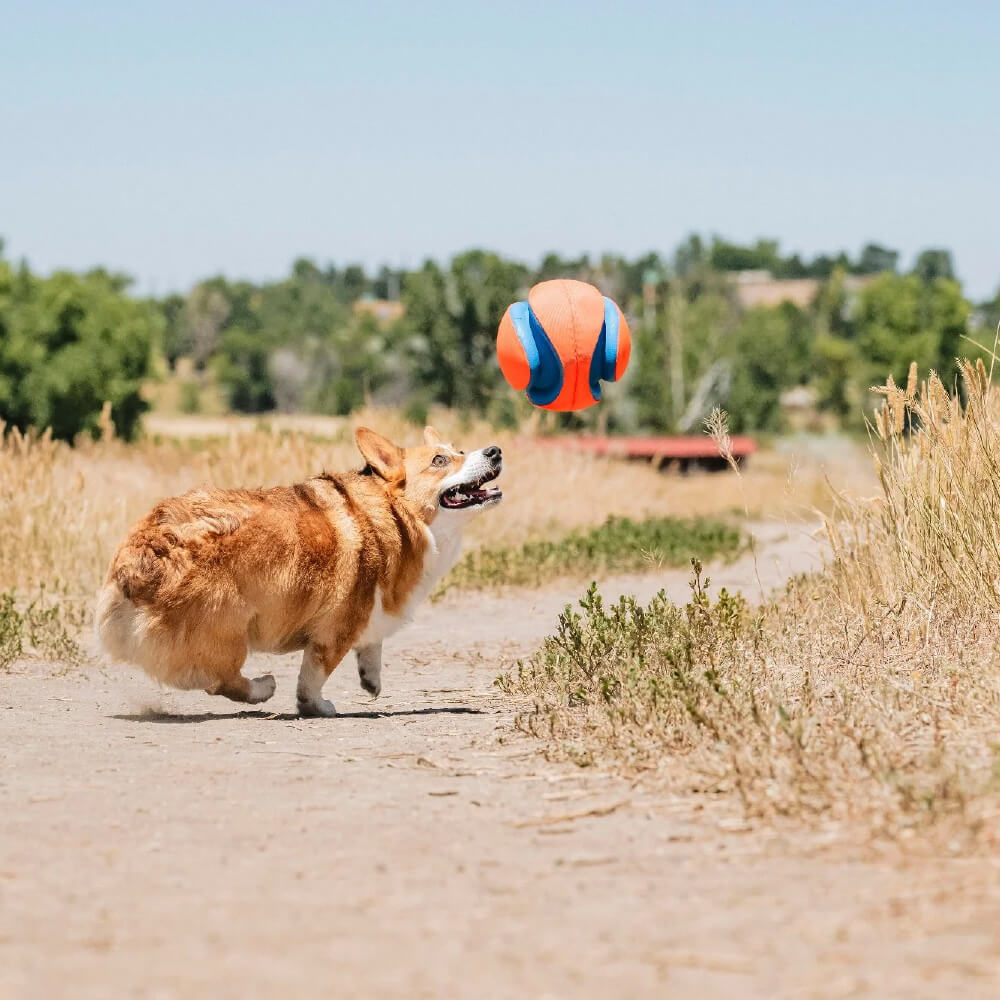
point(440, 460)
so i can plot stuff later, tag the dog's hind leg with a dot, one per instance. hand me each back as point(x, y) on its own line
point(251, 690)
point(228, 662)
point(370, 668)
point(318, 661)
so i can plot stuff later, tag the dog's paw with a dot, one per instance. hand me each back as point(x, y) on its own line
point(261, 688)
point(321, 708)
point(374, 688)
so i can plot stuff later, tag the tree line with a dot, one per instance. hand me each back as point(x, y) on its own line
point(330, 339)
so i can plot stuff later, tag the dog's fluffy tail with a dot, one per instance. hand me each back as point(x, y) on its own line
point(150, 561)
point(119, 626)
point(129, 633)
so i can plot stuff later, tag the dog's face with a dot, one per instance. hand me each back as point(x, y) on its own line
point(435, 477)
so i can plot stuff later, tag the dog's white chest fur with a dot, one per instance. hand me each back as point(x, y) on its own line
point(444, 542)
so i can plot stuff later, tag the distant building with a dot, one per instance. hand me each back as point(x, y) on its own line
point(385, 311)
point(759, 288)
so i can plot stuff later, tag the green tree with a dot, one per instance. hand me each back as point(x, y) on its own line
point(202, 320)
point(451, 326)
point(988, 319)
point(690, 327)
point(348, 284)
point(934, 263)
point(835, 364)
point(762, 256)
point(387, 284)
point(900, 319)
point(769, 353)
point(347, 367)
point(834, 357)
point(243, 369)
point(173, 342)
point(689, 258)
point(297, 344)
point(553, 266)
point(875, 258)
point(824, 265)
point(68, 344)
point(794, 267)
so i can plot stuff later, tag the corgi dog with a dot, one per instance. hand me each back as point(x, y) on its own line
point(335, 563)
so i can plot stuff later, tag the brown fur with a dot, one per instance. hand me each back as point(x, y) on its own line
point(208, 575)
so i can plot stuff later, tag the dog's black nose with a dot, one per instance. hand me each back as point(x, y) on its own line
point(493, 453)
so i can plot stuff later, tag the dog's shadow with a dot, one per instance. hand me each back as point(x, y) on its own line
point(175, 718)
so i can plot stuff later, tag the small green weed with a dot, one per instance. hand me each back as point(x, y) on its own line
point(11, 631)
point(639, 678)
point(42, 628)
point(619, 545)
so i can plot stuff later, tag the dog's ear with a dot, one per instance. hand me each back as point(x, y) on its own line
point(431, 436)
point(384, 458)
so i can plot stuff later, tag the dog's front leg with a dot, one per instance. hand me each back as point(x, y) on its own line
point(318, 662)
point(370, 668)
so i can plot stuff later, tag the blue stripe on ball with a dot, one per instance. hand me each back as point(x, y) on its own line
point(543, 361)
point(597, 364)
point(611, 340)
point(605, 357)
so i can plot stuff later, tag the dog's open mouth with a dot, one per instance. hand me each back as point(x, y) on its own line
point(472, 494)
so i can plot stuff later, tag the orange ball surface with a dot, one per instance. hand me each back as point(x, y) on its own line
point(562, 343)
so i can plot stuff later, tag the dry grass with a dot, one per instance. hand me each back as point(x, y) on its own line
point(570, 489)
point(63, 509)
point(868, 694)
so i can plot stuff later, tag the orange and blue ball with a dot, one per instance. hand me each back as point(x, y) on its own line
point(560, 345)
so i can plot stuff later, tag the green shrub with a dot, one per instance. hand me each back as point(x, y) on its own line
point(617, 546)
point(636, 678)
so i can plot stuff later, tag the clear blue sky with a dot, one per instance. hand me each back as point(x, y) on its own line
point(176, 140)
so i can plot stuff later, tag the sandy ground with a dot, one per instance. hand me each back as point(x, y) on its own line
point(161, 844)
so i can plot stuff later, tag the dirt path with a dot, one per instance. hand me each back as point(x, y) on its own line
point(416, 846)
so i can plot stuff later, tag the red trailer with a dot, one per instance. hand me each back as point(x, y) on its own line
point(680, 452)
